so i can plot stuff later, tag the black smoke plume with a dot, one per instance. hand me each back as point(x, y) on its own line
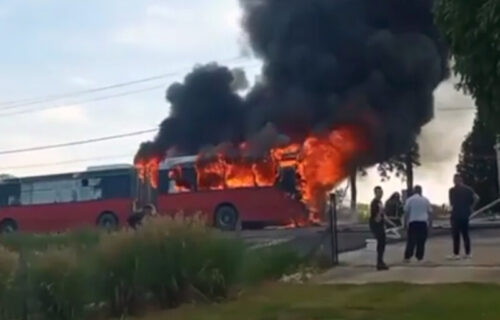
point(326, 63)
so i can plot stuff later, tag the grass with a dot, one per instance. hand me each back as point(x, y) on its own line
point(372, 302)
point(168, 262)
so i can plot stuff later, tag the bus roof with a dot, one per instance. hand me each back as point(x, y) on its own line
point(69, 175)
point(170, 163)
point(110, 167)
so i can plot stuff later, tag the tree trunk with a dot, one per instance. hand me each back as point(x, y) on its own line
point(409, 173)
point(354, 190)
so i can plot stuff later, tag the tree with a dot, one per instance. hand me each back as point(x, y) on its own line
point(353, 182)
point(401, 166)
point(472, 30)
point(477, 163)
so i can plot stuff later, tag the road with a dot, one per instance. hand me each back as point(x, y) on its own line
point(350, 237)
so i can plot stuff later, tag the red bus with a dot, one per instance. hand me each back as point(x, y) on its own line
point(108, 196)
point(225, 208)
point(96, 197)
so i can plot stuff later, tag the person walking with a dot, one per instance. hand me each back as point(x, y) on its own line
point(418, 210)
point(463, 200)
point(377, 226)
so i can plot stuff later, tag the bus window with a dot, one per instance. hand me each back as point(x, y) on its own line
point(181, 180)
point(288, 182)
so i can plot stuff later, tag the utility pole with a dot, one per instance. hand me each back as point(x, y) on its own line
point(497, 148)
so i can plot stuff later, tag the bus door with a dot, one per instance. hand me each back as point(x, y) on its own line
point(146, 193)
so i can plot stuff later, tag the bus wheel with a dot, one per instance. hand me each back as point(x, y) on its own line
point(226, 218)
point(8, 226)
point(108, 221)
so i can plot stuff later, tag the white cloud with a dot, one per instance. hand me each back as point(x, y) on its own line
point(73, 114)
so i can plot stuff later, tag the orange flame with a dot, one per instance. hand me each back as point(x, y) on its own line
point(148, 169)
point(265, 172)
point(321, 162)
point(211, 173)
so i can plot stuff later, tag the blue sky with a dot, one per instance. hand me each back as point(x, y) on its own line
point(56, 46)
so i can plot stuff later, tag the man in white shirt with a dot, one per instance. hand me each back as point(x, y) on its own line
point(417, 220)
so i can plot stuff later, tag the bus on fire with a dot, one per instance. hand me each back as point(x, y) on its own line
point(107, 196)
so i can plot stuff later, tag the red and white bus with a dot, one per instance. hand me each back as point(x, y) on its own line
point(107, 196)
point(179, 191)
point(100, 196)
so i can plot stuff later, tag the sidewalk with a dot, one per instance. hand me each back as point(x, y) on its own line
point(357, 267)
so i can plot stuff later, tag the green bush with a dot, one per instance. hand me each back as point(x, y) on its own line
point(166, 262)
point(9, 262)
point(59, 284)
point(117, 272)
point(182, 260)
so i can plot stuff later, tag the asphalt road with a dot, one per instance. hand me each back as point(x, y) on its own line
point(350, 237)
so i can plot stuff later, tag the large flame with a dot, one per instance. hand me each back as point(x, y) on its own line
point(147, 169)
point(321, 161)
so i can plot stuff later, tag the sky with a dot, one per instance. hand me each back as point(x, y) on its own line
point(54, 47)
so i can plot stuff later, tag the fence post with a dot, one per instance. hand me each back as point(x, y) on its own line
point(497, 149)
point(333, 230)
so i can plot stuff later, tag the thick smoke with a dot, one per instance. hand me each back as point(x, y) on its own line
point(326, 62)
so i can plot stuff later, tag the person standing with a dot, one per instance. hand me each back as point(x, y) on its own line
point(377, 226)
point(418, 210)
point(394, 209)
point(462, 200)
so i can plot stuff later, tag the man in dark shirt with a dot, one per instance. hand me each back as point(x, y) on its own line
point(377, 226)
point(462, 200)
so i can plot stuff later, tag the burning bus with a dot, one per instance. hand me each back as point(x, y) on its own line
point(287, 184)
point(255, 194)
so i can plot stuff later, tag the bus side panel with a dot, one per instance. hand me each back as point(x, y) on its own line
point(253, 204)
point(64, 216)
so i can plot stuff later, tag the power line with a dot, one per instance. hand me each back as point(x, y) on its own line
point(86, 101)
point(29, 102)
point(82, 102)
point(61, 163)
point(38, 100)
point(80, 142)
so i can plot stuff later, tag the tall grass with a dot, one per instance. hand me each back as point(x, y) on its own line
point(59, 284)
point(9, 262)
point(170, 259)
point(117, 272)
point(80, 239)
point(165, 263)
point(269, 264)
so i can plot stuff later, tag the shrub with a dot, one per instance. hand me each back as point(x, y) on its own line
point(117, 272)
point(182, 258)
point(59, 284)
point(223, 259)
point(9, 262)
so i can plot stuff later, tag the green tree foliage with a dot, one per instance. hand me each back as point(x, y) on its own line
point(401, 166)
point(477, 162)
point(472, 30)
